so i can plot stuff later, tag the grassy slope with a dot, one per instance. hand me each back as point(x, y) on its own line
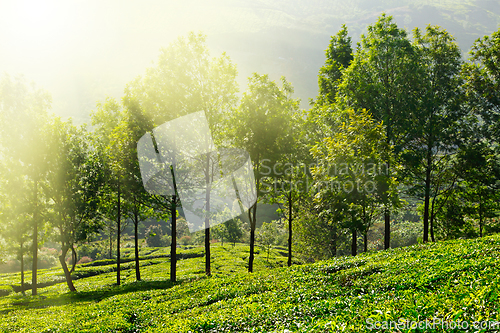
point(456, 280)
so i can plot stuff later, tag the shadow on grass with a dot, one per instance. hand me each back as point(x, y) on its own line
point(100, 294)
point(29, 302)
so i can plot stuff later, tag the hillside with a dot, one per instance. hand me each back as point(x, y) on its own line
point(455, 281)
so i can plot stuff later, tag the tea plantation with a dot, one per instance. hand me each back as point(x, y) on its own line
point(454, 285)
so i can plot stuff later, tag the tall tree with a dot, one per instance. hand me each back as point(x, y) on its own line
point(14, 215)
point(186, 80)
point(435, 129)
point(287, 184)
point(110, 138)
point(138, 203)
point(23, 117)
point(260, 126)
point(383, 78)
point(479, 169)
point(73, 186)
point(348, 171)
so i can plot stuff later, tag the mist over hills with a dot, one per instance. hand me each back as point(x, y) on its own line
point(93, 49)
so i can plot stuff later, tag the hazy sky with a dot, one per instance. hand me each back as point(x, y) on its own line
point(81, 51)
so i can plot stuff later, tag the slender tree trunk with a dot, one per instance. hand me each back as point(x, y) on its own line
point(427, 194)
point(480, 217)
point(34, 268)
point(207, 248)
point(333, 242)
point(290, 219)
point(67, 274)
point(74, 258)
point(207, 216)
point(387, 213)
point(173, 244)
point(252, 216)
point(431, 218)
point(387, 233)
point(365, 241)
point(354, 243)
point(21, 257)
point(118, 234)
point(207, 233)
point(110, 241)
point(136, 244)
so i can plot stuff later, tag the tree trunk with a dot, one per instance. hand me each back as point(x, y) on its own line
point(251, 215)
point(118, 234)
point(427, 194)
point(387, 213)
point(74, 258)
point(333, 242)
point(431, 218)
point(387, 233)
point(173, 244)
point(67, 274)
point(207, 217)
point(365, 241)
point(110, 241)
point(290, 219)
point(21, 258)
point(354, 243)
point(34, 268)
point(207, 232)
point(207, 247)
point(136, 244)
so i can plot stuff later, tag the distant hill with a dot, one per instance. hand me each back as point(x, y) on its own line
point(294, 34)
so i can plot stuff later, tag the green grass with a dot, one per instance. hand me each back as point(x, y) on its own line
point(454, 281)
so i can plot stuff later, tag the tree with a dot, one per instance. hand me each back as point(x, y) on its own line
point(383, 78)
point(287, 183)
point(139, 206)
point(268, 233)
point(229, 230)
point(479, 169)
point(14, 214)
point(349, 172)
point(23, 118)
point(186, 80)
point(73, 185)
point(440, 114)
point(261, 126)
point(110, 138)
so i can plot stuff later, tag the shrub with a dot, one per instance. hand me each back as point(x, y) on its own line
point(84, 260)
point(185, 240)
point(154, 236)
point(166, 240)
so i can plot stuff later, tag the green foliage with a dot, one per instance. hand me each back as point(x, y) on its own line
point(154, 236)
point(338, 57)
